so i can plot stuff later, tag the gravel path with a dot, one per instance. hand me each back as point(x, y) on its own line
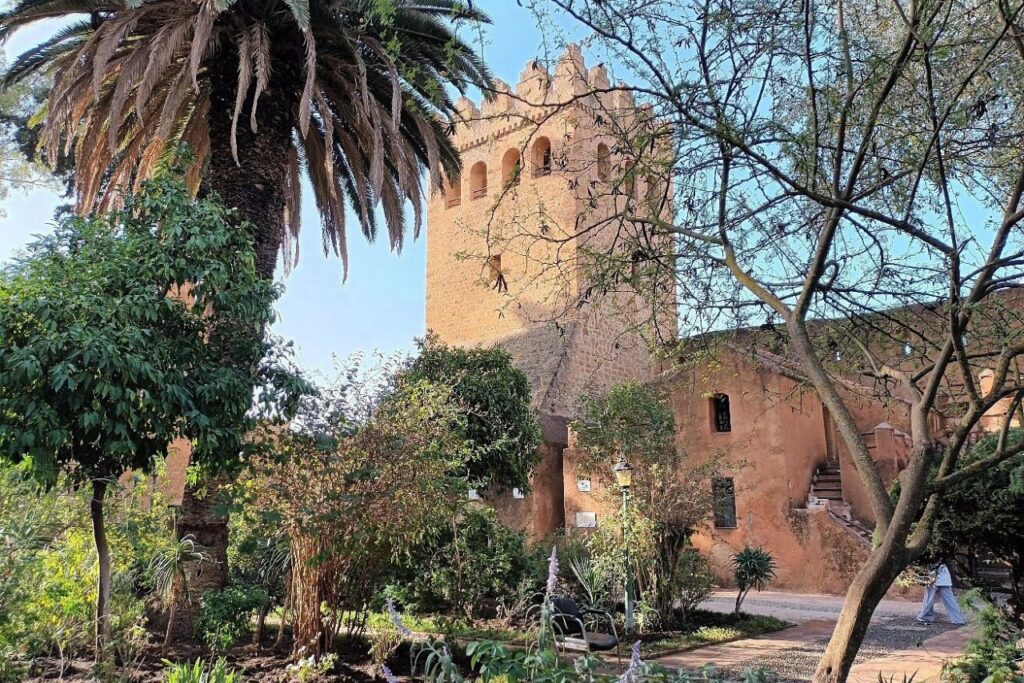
point(797, 663)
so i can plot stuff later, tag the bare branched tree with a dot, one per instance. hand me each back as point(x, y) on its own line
point(846, 177)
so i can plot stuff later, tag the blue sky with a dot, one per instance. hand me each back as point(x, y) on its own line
point(381, 305)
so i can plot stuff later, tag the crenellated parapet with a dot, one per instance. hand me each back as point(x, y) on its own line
point(537, 97)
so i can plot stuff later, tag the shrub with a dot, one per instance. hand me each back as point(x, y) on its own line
point(226, 615)
point(752, 568)
point(993, 655)
point(691, 581)
point(47, 579)
point(473, 566)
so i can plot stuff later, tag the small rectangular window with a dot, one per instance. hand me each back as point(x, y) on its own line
point(724, 494)
point(721, 415)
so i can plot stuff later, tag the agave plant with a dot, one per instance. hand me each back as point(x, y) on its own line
point(170, 567)
point(353, 92)
point(752, 568)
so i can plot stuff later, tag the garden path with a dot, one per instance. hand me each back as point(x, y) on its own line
point(895, 644)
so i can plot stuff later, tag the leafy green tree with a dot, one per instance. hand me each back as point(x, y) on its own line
point(123, 331)
point(669, 499)
point(365, 475)
point(984, 516)
point(501, 427)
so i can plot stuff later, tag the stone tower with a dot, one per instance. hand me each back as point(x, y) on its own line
point(504, 249)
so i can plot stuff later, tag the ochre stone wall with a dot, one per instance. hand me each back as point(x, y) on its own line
point(529, 231)
point(541, 512)
point(776, 443)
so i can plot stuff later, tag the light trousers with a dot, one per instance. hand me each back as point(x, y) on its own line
point(948, 599)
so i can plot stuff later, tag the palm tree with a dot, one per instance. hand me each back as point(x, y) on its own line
point(353, 92)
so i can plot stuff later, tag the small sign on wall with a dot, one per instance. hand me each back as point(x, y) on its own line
point(473, 495)
point(583, 485)
point(586, 520)
point(516, 493)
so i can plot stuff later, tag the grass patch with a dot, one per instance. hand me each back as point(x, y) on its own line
point(454, 627)
point(708, 628)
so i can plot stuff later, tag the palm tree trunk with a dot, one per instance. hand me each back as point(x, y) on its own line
point(99, 490)
point(254, 187)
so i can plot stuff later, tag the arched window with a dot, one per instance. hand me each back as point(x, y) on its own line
point(541, 157)
point(604, 162)
point(511, 167)
point(453, 193)
point(721, 415)
point(478, 180)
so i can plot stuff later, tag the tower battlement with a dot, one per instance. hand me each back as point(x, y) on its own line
point(537, 96)
point(504, 247)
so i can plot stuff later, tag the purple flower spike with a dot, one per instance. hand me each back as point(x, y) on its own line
point(396, 619)
point(553, 570)
point(388, 676)
point(632, 673)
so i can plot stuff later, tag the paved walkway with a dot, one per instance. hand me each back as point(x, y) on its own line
point(895, 644)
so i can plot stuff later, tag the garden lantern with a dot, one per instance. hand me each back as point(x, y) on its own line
point(623, 472)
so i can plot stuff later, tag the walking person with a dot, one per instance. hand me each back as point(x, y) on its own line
point(941, 585)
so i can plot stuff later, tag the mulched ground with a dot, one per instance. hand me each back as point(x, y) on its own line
point(265, 665)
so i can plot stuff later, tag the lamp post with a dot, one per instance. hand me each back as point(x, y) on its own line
point(623, 472)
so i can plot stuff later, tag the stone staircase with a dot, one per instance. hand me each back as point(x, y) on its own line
point(827, 483)
point(827, 491)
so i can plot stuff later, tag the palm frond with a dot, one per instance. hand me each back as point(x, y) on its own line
point(365, 120)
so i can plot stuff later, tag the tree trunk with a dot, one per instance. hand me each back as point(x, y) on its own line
point(867, 590)
point(309, 577)
point(254, 186)
point(261, 621)
point(99, 490)
point(739, 601)
point(170, 624)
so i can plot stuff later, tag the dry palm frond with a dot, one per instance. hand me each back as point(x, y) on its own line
point(133, 79)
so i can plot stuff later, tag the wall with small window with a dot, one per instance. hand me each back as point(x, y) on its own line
point(453, 193)
point(604, 162)
point(721, 413)
point(723, 494)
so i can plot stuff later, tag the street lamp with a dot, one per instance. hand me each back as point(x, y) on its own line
point(623, 472)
